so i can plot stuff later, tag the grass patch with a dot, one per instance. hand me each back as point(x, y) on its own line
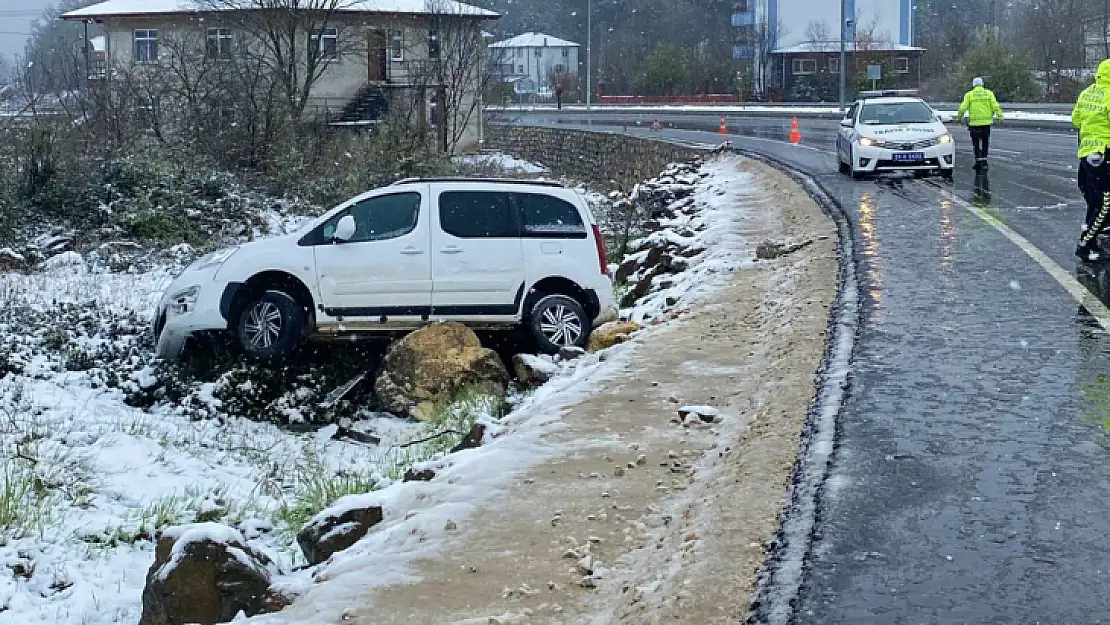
point(316, 487)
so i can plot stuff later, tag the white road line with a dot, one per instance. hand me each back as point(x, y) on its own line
point(1078, 292)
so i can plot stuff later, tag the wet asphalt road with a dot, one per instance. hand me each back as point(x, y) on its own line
point(971, 481)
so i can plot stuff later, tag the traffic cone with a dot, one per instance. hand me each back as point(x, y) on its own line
point(795, 136)
point(723, 128)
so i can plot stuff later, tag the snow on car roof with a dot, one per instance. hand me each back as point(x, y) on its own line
point(112, 8)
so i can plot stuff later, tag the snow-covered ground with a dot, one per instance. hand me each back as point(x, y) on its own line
point(500, 161)
point(88, 472)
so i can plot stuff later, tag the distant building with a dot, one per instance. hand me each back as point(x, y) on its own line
point(530, 60)
point(760, 26)
point(1096, 39)
point(811, 71)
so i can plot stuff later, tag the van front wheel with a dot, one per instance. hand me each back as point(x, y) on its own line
point(270, 327)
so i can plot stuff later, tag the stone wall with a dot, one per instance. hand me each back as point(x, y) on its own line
point(607, 160)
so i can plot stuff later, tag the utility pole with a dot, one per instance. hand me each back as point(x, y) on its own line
point(843, 53)
point(589, 51)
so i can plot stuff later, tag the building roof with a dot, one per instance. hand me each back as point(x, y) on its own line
point(120, 8)
point(828, 47)
point(534, 40)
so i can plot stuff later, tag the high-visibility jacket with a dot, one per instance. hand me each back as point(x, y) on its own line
point(982, 107)
point(1092, 114)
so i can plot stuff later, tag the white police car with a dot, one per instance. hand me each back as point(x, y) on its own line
point(887, 131)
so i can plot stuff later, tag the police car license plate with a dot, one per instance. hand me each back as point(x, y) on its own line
point(909, 157)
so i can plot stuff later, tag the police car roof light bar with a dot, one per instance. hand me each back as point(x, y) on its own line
point(889, 93)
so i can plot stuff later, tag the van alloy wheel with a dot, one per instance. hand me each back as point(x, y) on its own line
point(263, 325)
point(561, 325)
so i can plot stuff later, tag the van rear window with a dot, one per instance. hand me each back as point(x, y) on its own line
point(548, 217)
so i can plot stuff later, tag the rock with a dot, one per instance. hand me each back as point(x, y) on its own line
point(11, 260)
point(473, 439)
point(532, 371)
point(705, 414)
point(337, 528)
point(206, 573)
point(611, 334)
point(423, 475)
point(435, 363)
point(571, 352)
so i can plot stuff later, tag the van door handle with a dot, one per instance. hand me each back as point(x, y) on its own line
point(412, 251)
point(451, 249)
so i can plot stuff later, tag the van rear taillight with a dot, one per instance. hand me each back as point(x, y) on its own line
point(602, 258)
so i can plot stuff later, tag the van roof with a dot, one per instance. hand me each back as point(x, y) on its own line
point(515, 181)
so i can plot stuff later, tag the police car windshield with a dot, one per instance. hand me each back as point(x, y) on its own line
point(889, 113)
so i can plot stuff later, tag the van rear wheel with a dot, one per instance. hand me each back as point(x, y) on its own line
point(558, 321)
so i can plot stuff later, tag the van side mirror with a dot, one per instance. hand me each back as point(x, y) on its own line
point(344, 230)
point(847, 123)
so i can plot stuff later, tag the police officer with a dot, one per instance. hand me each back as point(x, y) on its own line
point(981, 107)
point(1092, 117)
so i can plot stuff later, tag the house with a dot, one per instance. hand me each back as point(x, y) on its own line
point(760, 26)
point(810, 72)
point(531, 60)
point(353, 59)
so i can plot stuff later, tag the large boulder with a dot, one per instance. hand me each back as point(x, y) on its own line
point(533, 371)
point(337, 528)
point(206, 573)
point(613, 333)
point(434, 363)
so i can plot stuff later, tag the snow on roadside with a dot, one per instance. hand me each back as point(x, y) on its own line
point(420, 516)
point(500, 161)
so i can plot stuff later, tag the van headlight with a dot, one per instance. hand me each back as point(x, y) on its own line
point(184, 301)
point(946, 138)
point(215, 259)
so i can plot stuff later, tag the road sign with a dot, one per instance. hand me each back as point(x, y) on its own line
point(874, 72)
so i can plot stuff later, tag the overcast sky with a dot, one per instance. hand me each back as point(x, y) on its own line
point(15, 23)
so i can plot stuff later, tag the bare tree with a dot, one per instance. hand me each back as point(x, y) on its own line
point(296, 40)
point(818, 32)
point(1049, 36)
point(765, 37)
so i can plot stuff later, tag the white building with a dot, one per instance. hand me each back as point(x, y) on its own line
point(530, 60)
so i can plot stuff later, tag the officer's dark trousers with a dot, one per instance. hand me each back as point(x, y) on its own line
point(981, 141)
point(1095, 183)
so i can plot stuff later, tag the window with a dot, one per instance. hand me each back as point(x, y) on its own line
point(378, 218)
point(520, 69)
point(560, 69)
point(834, 65)
point(539, 53)
point(433, 44)
point(218, 43)
point(397, 45)
point(805, 66)
point(901, 65)
point(549, 217)
point(326, 43)
point(566, 53)
point(146, 46)
point(477, 215)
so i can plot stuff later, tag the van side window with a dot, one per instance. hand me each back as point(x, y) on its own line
point(478, 215)
point(547, 217)
point(378, 218)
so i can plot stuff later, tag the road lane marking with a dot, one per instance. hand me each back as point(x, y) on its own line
point(1079, 293)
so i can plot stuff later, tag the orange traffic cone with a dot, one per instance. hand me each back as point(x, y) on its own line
point(723, 128)
point(795, 136)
